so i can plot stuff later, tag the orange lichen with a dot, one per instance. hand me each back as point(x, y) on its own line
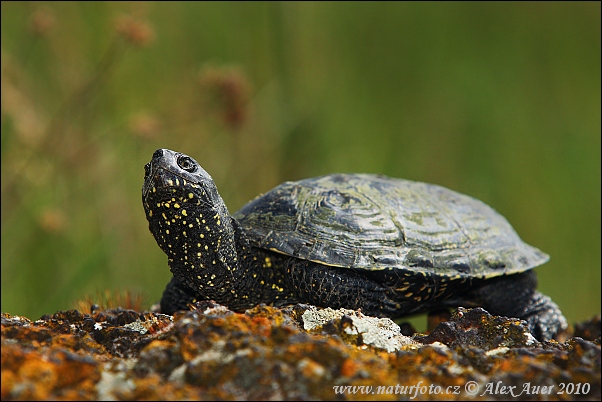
point(348, 368)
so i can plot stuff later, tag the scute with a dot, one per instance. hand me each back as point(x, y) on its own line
point(373, 222)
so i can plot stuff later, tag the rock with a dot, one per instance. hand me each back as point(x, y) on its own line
point(211, 352)
point(476, 327)
point(589, 330)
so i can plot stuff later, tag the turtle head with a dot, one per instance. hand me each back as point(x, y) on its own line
point(167, 166)
point(190, 221)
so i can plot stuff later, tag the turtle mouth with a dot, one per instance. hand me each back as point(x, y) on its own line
point(161, 182)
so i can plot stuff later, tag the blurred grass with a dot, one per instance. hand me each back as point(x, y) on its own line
point(498, 101)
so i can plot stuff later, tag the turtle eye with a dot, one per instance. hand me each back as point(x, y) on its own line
point(146, 169)
point(187, 164)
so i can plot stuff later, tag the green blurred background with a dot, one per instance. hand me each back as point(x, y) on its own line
point(498, 101)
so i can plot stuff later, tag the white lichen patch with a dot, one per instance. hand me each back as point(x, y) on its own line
point(216, 310)
point(497, 351)
point(178, 374)
point(314, 318)
point(114, 382)
point(137, 326)
point(309, 366)
point(530, 339)
point(380, 333)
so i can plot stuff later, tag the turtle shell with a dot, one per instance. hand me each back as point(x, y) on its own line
point(373, 222)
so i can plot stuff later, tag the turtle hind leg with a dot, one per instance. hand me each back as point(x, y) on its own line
point(327, 286)
point(515, 296)
point(544, 317)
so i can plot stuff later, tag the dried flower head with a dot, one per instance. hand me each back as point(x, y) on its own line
point(41, 21)
point(134, 30)
point(145, 125)
point(229, 90)
point(53, 221)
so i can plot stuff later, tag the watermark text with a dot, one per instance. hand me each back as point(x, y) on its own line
point(472, 388)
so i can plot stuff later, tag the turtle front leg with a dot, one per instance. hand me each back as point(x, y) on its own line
point(515, 296)
point(176, 296)
point(327, 286)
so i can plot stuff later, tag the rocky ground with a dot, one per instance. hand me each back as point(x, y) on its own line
point(298, 352)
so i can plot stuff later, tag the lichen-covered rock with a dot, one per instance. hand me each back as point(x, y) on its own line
point(211, 352)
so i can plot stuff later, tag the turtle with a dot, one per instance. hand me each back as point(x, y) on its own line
point(385, 246)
